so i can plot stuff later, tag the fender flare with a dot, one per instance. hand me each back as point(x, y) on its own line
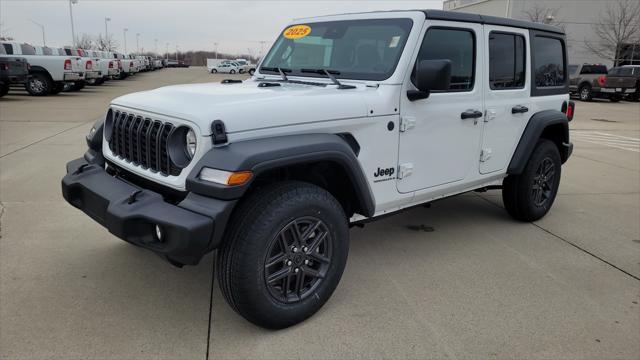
point(533, 132)
point(260, 155)
point(40, 69)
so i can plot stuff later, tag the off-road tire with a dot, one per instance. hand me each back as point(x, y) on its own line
point(39, 84)
point(519, 191)
point(585, 93)
point(4, 89)
point(251, 234)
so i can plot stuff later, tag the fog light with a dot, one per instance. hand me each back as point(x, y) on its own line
point(159, 233)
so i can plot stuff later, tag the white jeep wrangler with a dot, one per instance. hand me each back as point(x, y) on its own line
point(348, 118)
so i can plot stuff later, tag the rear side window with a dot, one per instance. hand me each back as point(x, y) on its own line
point(8, 48)
point(506, 61)
point(456, 45)
point(549, 62)
point(593, 69)
point(27, 49)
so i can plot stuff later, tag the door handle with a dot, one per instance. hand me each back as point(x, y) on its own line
point(519, 109)
point(471, 114)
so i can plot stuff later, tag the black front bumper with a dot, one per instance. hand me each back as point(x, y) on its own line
point(190, 228)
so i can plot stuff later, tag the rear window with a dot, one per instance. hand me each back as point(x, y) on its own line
point(549, 62)
point(621, 71)
point(593, 69)
point(27, 49)
point(46, 51)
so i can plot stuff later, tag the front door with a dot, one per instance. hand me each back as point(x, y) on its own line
point(507, 92)
point(440, 135)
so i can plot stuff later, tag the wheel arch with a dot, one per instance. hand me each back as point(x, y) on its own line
point(326, 160)
point(41, 70)
point(552, 125)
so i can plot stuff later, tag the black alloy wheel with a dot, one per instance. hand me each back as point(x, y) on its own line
point(298, 259)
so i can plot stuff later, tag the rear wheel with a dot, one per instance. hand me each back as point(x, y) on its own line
point(214, 71)
point(251, 71)
point(529, 196)
point(284, 254)
point(585, 93)
point(39, 84)
point(77, 86)
point(232, 72)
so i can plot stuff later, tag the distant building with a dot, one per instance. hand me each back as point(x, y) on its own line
point(577, 18)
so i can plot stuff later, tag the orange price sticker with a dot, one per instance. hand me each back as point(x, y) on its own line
point(297, 31)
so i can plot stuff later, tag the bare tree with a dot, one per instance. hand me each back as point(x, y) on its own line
point(106, 43)
point(85, 41)
point(540, 14)
point(617, 27)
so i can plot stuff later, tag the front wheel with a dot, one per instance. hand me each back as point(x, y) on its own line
point(232, 72)
point(214, 71)
point(284, 253)
point(252, 71)
point(529, 196)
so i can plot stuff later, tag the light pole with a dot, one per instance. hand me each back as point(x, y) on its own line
point(215, 44)
point(155, 48)
point(73, 31)
point(177, 50)
point(106, 34)
point(138, 43)
point(44, 42)
point(124, 31)
point(167, 52)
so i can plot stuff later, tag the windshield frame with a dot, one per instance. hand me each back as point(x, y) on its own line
point(406, 22)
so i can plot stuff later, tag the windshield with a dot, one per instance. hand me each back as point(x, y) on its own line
point(354, 49)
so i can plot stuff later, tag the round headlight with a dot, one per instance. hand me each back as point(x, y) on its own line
point(190, 143)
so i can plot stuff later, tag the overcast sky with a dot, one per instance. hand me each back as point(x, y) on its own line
point(190, 24)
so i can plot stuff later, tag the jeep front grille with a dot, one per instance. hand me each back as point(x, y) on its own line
point(143, 142)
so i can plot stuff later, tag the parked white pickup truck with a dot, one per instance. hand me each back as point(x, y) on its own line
point(129, 65)
point(87, 63)
point(105, 65)
point(48, 73)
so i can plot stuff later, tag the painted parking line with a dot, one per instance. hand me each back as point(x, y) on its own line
point(610, 140)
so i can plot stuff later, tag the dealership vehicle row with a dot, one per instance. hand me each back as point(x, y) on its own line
point(45, 70)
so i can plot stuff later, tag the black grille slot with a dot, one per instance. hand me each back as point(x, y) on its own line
point(143, 142)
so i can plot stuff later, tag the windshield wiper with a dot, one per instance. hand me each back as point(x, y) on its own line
point(329, 74)
point(279, 70)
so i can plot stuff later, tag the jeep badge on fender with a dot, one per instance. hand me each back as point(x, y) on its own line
point(276, 188)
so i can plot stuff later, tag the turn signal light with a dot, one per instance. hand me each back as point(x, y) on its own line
point(227, 178)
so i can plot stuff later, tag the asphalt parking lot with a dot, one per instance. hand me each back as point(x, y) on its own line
point(457, 280)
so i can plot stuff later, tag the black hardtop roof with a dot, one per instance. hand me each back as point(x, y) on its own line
point(434, 14)
point(491, 20)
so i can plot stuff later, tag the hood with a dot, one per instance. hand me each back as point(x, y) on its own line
point(245, 106)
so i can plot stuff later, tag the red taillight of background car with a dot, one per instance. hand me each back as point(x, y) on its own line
point(569, 109)
point(89, 65)
point(110, 64)
point(67, 64)
point(601, 80)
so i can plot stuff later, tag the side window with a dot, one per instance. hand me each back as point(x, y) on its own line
point(456, 45)
point(27, 49)
point(549, 62)
point(8, 48)
point(506, 61)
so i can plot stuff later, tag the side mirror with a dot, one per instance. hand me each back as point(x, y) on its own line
point(430, 75)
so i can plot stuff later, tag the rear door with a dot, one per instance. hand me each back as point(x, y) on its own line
point(507, 91)
point(440, 135)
